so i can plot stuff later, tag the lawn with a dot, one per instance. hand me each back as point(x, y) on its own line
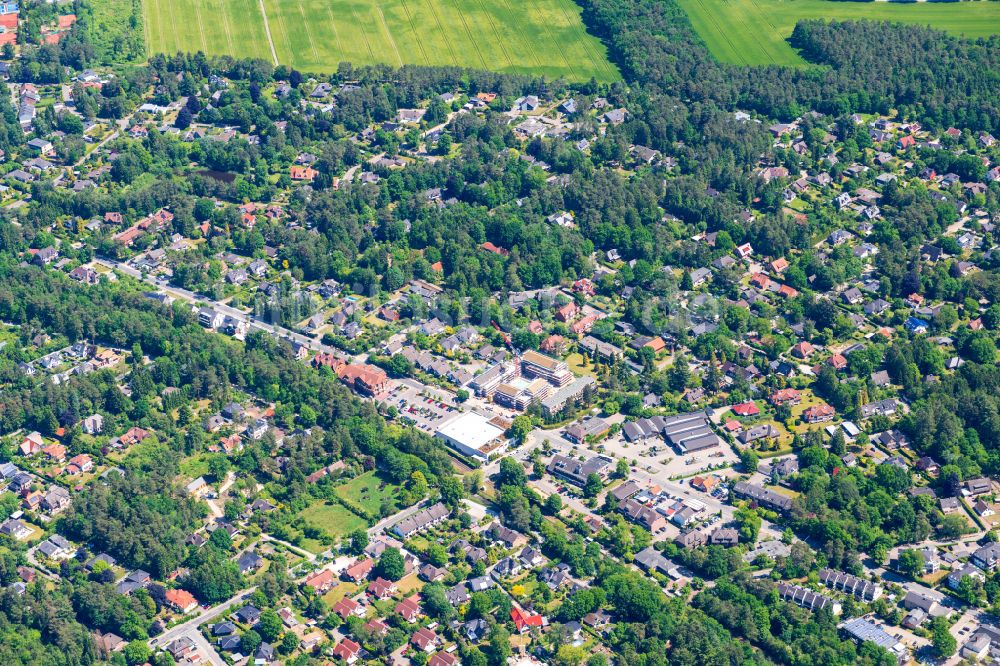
point(784, 439)
point(754, 32)
point(544, 37)
point(334, 519)
point(576, 366)
point(808, 400)
point(195, 466)
point(339, 591)
point(367, 492)
point(409, 584)
point(8, 335)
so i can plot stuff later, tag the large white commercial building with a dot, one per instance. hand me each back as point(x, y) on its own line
point(472, 435)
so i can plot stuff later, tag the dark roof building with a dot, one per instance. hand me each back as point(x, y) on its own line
point(845, 582)
point(576, 471)
point(807, 598)
point(763, 496)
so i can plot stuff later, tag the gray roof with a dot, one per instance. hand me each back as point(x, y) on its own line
point(650, 558)
point(576, 471)
point(803, 596)
point(845, 582)
point(420, 520)
point(863, 630)
point(763, 496)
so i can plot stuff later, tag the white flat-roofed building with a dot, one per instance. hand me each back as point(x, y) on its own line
point(472, 435)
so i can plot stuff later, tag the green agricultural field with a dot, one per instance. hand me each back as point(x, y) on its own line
point(215, 27)
point(754, 32)
point(543, 37)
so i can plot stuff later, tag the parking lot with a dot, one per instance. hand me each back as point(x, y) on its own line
point(426, 408)
point(657, 458)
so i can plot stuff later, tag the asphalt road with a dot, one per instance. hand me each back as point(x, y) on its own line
point(239, 315)
point(190, 627)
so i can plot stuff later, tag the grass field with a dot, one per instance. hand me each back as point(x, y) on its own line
point(367, 492)
point(195, 466)
point(334, 519)
point(754, 32)
point(543, 37)
point(216, 27)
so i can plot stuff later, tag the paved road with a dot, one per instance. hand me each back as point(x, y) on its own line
point(216, 505)
point(204, 615)
point(33, 561)
point(239, 315)
point(380, 526)
point(295, 549)
point(206, 649)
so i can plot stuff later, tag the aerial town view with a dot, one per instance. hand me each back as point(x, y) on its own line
point(496, 333)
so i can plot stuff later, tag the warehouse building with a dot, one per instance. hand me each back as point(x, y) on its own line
point(473, 435)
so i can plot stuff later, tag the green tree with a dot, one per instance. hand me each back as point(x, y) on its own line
point(569, 655)
point(519, 428)
point(391, 565)
point(416, 486)
point(679, 374)
point(500, 649)
point(184, 118)
point(220, 539)
point(451, 489)
point(249, 642)
point(511, 474)
point(435, 603)
point(359, 541)
point(952, 526)
point(212, 577)
point(269, 625)
point(911, 562)
point(218, 466)
point(991, 318)
point(749, 459)
point(538, 468)
point(621, 468)
point(137, 652)
point(307, 416)
point(593, 485)
point(288, 643)
point(436, 554)
point(943, 643)
point(748, 522)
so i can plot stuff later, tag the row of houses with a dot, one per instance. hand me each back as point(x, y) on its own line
point(420, 521)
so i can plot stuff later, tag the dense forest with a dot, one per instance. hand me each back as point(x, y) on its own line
point(872, 67)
